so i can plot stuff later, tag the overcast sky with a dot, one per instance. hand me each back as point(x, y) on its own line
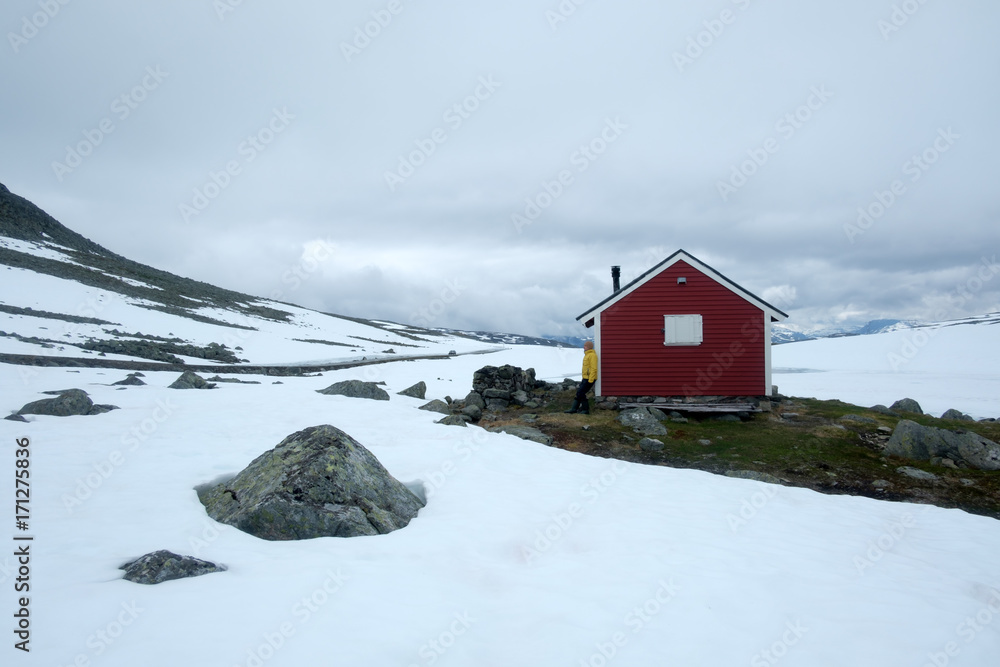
point(482, 165)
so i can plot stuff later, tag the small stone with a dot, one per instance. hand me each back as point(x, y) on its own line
point(651, 445)
point(881, 484)
point(658, 413)
point(438, 406)
point(190, 380)
point(419, 390)
point(159, 566)
point(706, 442)
point(754, 475)
point(453, 420)
point(473, 412)
point(917, 473)
point(524, 432)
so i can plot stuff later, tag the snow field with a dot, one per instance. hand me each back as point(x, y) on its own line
point(524, 554)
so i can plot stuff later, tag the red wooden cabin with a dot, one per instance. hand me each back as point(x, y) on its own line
point(682, 329)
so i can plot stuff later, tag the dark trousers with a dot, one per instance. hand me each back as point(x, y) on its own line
point(581, 394)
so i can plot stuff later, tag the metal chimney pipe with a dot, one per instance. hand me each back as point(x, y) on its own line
point(616, 274)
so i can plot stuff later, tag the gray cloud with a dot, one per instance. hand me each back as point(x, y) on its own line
point(818, 108)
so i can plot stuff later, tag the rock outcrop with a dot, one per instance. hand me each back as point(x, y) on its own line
point(132, 380)
point(356, 389)
point(437, 405)
point(922, 443)
point(67, 403)
point(191, 380)
point(319, 482)
point(907, 405)
point(160, 566)
point(419, 390)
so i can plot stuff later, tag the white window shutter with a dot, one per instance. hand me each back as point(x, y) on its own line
point(682, 330)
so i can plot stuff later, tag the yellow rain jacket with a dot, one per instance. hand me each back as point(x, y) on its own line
point(590, 365)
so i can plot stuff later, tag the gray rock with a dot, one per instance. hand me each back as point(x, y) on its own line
point(917, 473)
point(651, 445)
point(437, 405)
point(859, 419)
point(907, 405)
point(69, 402)
point(160, 566)
point(419, 390)
point(883, 410)
point(520, 397)
point(658, 414)
point(497, 393)
point(957, 415)
point(189, 380)
point(497, 404)
point(914, 441)
point(132, 380)
point(885, 430)
point(318, 482)
point(356, 389)
point(523, 432)
point(231, 380)
point(534, 405)
point(706, 442)
point(473, 412)
point(881, 484)
point(16, 418)
point(475, 398)
point(453, 420)
point(732, 418)
point(642, 422)
point(679, 420)
point(754, 475)
point(529, 418)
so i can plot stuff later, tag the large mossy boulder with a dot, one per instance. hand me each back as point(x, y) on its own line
point(914, 441)
point(356, 389)
point(319, 482)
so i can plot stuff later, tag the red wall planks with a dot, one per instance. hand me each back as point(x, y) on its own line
point(729, 362)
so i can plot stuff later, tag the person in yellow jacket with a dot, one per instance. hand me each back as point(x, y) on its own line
point(580, 403)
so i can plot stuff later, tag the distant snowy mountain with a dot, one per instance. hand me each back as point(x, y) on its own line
point(781, 333)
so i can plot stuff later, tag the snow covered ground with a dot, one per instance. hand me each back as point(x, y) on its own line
point(524, 555)
point(950, 365)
